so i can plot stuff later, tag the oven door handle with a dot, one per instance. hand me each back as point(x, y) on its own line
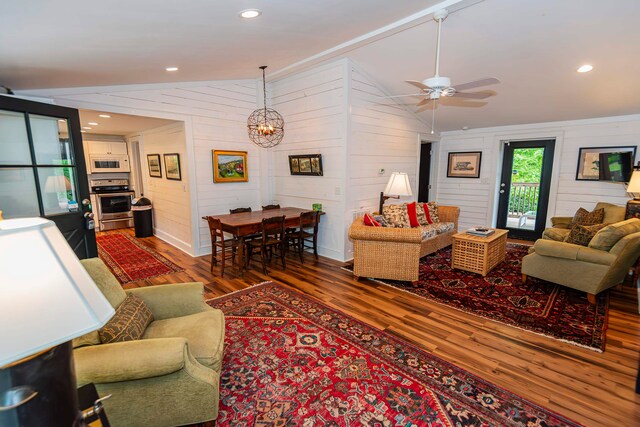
point(128, 193)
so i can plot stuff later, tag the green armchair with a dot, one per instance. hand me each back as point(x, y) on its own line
point(593, 269)
point(170, 376)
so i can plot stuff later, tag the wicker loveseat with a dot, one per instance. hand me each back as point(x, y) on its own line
point(394, 253)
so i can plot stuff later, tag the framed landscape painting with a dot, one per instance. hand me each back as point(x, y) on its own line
point(172, 166)
point(155, 170)
point(464, 164)
point(230, 166)
point(306, 164)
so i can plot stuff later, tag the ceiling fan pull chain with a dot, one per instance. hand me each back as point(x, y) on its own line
point(433, 116)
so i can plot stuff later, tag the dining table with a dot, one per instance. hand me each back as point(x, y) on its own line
point(244, 224)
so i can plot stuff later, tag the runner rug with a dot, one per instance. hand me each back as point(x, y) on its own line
point(290, 360)
point(537, 306)
point(129, 260)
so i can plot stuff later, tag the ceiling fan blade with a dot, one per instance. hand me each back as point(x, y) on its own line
point(418, 84)
point(460, 102)
point(428, 106)
point(476, 83)
point(474, 95)
point(423, 102)
point(402, 96)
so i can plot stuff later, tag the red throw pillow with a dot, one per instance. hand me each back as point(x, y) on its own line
point(370, 221)
point(413, 214)
point(426, 213)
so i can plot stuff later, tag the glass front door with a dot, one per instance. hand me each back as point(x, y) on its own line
point(42, 171)
point(524, 188)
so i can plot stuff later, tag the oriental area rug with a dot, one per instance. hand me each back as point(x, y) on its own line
point(129, 260)
point(538, 306)
point(290, 360)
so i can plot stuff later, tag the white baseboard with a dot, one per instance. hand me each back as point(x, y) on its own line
point(174, 241)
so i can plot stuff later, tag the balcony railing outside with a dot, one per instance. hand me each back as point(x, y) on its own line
point(523, 198)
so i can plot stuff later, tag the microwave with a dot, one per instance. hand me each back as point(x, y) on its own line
point(108, 163)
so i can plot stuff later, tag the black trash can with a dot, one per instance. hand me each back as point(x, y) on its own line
point(142, 217)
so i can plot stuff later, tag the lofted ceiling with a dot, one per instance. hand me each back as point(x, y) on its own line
point(70, 43)
point(533, 46)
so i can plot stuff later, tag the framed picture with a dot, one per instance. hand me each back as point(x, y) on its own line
point(464, 164)
point(306, 164)
point(230, 166)
point(172, 166)
point(155, 170)
point(589, 160)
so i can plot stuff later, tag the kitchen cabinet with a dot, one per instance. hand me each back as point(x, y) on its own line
point(107, 147)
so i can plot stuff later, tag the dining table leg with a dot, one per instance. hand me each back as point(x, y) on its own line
point(242, 263)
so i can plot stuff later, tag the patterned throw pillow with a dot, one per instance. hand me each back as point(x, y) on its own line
point(396, 215)
point(584, 217)
point(422, 217)
point(383, 222)
point(128, 324)
point(433, 211)
point(582, 234)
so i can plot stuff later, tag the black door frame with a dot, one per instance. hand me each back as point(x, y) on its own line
point(424, 186)
point(73, 222)
point(545, 186)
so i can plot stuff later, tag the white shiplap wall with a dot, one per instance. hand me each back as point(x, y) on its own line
point(313, 104)
point(477, 197)
point(214, 115)
point(170, 198)
point(383, 135)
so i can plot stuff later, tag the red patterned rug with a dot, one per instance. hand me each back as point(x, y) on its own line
point(537, 306)
point(130, 260)
point(290, 360)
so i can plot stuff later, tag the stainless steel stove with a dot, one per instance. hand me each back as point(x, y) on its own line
point(111, 199)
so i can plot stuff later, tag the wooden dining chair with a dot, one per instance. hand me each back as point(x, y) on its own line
point(307, 232)
point(273, 237)
point(228, 246)
point(270, 207)
point(239, 210)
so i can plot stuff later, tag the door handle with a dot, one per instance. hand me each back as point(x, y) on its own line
point(502, 185)
point(501, 191)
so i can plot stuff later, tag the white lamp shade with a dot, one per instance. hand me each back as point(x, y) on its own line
point(57, 184)
point(634, 183)
point(398, 185)
point(46, 296)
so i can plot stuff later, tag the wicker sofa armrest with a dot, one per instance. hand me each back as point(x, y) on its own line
point(449, 214)
point(360, 231)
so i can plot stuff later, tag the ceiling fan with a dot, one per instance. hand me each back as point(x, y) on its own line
point(439, 87)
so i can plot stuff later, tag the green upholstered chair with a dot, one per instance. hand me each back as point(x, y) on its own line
point(169, 377)
point(561, 225)
point(593, 269)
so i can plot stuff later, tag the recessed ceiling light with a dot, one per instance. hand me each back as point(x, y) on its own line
point(250, 13)
point(171, 68)
point(93, 123)
point(106, 116)
point(83, 131)
point(61, 120)
point(585, 68)
point(86, 127)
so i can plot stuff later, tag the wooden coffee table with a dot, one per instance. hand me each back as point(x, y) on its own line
point(478, 254)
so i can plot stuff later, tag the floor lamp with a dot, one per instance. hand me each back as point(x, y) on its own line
point(397, 186)
point(46, 299)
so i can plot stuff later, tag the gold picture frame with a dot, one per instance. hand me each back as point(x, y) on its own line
point(230, 166)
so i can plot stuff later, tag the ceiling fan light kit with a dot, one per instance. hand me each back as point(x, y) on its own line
point(436, 87)
point(265, 125)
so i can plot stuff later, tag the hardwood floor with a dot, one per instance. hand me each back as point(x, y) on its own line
point(596, 389)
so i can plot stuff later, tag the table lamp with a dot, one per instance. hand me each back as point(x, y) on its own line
point(633, 205)
point(46, 299)
point(53, 186)
point(397, 186)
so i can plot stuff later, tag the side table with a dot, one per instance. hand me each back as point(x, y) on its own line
point(478, 254)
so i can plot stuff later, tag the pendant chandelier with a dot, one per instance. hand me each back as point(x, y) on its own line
point(265, 125)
